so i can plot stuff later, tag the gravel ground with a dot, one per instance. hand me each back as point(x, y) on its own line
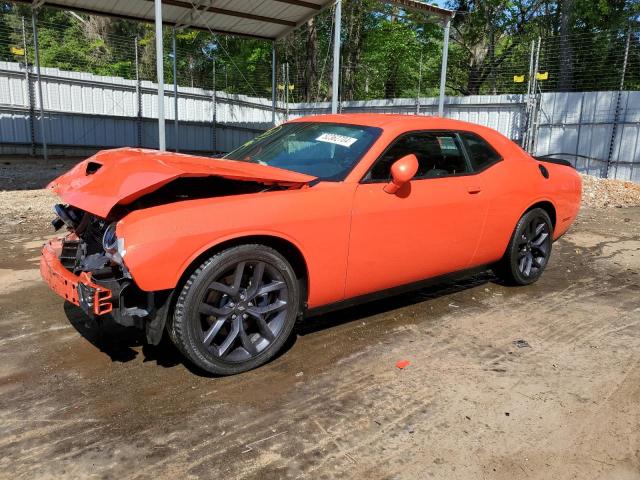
point(539, 382)
point(604, 193)
point(20, 174)
point(24, 203)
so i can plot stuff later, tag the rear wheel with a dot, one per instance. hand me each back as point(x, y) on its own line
point(529, 249)
point(236, 310)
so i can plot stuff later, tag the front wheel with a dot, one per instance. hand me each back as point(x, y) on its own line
point(236, 310)
point(529, 249)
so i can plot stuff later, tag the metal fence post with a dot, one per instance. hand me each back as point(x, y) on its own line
point(531, 67)
point(537, 99)
point(532, 99)
point(616, 115)
point(580, 133)
point(214, 107)
point(138, 95)
point(443, 68)
point(286, 88)
point(419, 82)
point(335, 82)
point(30, 94)
point(527, 108)
point(34, 26)
point(273, 84)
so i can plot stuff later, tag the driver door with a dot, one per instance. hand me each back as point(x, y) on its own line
point(428, 228)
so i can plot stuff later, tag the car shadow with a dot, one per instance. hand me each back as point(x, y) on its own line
point(114, 340)
point(377, 307)
point(123, 344)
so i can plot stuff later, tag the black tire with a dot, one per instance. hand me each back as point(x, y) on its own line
point(528, 251)
point(227, 322)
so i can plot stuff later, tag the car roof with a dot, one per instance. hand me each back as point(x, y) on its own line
point(394, 124)
point(382, 120)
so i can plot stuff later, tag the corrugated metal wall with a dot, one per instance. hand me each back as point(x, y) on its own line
point(504, 113)
point(582, 124)
point(85, 112)
point(579, 126)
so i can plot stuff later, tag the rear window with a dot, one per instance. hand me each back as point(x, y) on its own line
point(480, 152)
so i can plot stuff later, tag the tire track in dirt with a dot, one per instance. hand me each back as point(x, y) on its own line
point(351, 414)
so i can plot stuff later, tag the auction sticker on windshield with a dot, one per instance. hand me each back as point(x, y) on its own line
point(336, 139)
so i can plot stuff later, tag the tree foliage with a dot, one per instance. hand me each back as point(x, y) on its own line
point(387, 51)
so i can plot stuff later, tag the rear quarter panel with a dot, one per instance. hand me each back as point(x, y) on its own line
point(516, 184)
point(564, 188)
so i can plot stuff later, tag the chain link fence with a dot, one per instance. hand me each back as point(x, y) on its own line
point(103, 95)
point(590, 61)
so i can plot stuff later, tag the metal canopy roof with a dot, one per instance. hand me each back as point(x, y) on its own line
point(263, 19)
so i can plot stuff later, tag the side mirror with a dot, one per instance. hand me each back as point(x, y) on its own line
point(402, 171)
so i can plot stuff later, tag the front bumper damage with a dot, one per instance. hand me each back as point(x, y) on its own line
point(101, 294)
point(80, 290)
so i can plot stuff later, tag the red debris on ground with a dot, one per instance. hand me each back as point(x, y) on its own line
point(402, 364)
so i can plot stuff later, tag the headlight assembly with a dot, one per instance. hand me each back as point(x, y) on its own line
point(113, 246)
point(109, 239)
point(121, 249)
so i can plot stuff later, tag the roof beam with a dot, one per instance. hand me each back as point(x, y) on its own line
point(53, 4)
point(301, 3)
point(188, 14)
point(304, 19)
point(229, 13)
point(423, 7)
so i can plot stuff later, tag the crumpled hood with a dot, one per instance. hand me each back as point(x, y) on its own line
point(122, 175)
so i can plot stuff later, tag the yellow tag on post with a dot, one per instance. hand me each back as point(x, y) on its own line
point(17, 51)
point(542, 76)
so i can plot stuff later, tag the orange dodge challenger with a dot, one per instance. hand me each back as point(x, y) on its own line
point(226, 254)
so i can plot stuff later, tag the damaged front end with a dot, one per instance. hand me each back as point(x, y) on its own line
point(86, 268)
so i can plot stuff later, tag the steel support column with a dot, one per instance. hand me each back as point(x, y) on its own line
point(34, 26)
point(175, 92)
point(30, 95)
point(443, 70)
point(138, 95)
point(273, 84)
point(335, 88)
point(160, 73)
point(214, 108)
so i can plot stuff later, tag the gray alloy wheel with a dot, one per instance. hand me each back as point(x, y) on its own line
point(237, 309)
point(529, 249)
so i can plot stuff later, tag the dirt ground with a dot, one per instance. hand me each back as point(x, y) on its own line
point(538, 382)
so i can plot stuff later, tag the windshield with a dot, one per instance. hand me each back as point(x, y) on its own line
point(325, 150)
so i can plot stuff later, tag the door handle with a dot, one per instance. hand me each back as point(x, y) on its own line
point(473, 190)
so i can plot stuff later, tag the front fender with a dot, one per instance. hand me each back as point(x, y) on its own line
point(162, 242)
point(160, 246)
point(239, 236)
